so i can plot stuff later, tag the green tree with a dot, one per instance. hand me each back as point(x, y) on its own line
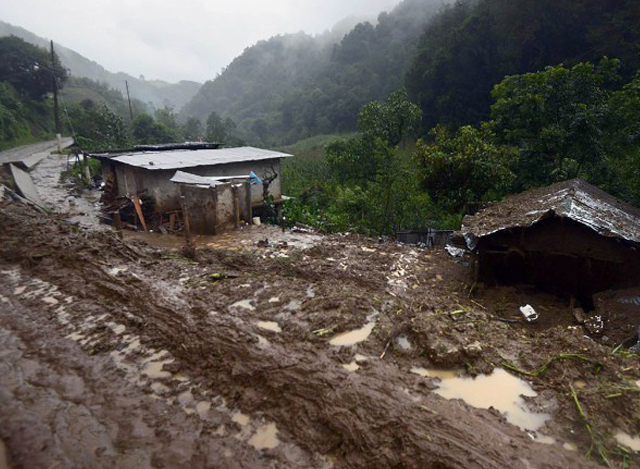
point(622, 137)
point(391, 120)
point(28, 68)
point(97, 127)
point(147, 131)
point(556, 119)
point(372, 169)
point(168, 118)
point(461, 170)
point(216, 130)
point(192, 130)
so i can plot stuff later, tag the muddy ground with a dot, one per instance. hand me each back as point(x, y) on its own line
point(124, 354)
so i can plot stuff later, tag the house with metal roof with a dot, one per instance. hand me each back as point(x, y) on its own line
point(571, 238)
point(152, 169)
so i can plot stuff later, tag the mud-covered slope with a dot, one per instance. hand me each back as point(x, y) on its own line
point(230, 392)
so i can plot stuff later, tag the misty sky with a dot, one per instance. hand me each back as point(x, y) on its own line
point(172, 39)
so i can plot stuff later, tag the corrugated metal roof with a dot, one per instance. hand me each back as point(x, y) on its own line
point(574, 199)
point(187, 178)
point(180, 159)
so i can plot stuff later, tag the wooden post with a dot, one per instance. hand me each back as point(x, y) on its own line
point(236, 206)
point(87, 171)
point(185, 216)
point(249, 219)
point(117, 221)
point(136, 204)
point(215, 210)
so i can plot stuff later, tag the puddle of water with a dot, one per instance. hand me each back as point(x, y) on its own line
point(221, 431)
point(404, 343)
point(50, 300)
point(155, 356)
point(353, 366)
point(354, 337)
point(439, 374)
point(241, 419)
point(116, 270)
point(263, 342)
point(269, 326)
point(545, 439)
point(266, 437)
point(274, 299)
point(294, 305)
point(629, 441)
point(499, 390)
point(570, 446)
point(76, 336)
point(185, 398)
point(246, 304)
point(203, 408)
point(154, 369)
point(159, 388)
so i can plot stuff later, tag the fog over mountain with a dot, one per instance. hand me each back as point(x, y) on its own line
point(173, 41)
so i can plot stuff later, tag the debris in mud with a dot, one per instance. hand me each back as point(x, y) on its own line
point(530, 314)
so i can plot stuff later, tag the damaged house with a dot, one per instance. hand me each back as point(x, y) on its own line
point(221, 186)
point(569, 238)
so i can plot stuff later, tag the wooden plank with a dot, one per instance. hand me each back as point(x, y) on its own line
point(117, 221)
point(136, 204)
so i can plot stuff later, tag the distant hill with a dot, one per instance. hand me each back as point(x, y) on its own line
point(158, 93)
point(294, 86)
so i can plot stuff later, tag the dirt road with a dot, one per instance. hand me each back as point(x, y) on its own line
point(127, 355)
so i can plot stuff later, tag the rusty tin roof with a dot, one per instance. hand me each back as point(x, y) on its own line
point(574, 199)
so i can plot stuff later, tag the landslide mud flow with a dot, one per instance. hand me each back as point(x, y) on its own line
point(119, 354)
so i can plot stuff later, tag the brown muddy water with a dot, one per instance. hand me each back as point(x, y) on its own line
point(499, 390)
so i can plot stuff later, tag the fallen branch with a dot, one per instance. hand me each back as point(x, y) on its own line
point(506, 363)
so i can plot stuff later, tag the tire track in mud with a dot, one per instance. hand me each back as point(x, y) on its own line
point(214, 434)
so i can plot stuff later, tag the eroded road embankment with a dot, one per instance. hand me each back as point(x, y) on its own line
point(122, 355)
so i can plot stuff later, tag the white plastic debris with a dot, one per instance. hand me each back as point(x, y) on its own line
point(256, 221)
point(454, 251)
point(529, 313)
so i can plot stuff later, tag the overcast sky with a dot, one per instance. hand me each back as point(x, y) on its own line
point(175, 39)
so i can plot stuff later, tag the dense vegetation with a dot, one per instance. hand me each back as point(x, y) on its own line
point(472, 45)
point(26, 79)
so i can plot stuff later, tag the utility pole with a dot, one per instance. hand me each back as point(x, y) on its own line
point(129, 99)
point(56, 110)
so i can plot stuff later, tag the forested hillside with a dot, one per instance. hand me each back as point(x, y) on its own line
point(295, 86)
point(156, 93)
point(471, 46)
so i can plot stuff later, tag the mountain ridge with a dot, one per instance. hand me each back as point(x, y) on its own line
point(158, 93)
